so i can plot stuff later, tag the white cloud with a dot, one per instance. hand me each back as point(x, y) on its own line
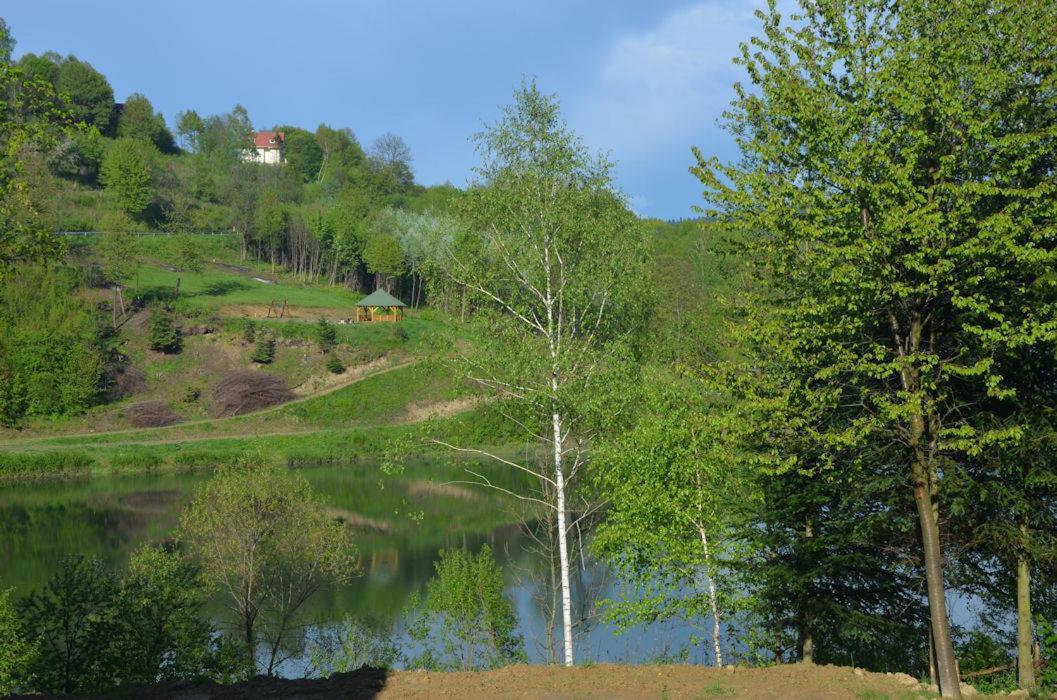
point(662, 89)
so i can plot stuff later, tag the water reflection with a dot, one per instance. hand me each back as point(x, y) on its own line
point(109, 517)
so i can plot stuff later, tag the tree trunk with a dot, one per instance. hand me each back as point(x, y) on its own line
point(947, 669)
point(805, 634)
point(563, 550)
point(1025, 666)
point(713, 600)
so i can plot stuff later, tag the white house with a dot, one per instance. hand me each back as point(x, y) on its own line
point(268, 147)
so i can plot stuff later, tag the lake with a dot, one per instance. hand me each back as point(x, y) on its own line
point(403, 522)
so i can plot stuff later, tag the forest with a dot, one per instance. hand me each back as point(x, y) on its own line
point(814, 424)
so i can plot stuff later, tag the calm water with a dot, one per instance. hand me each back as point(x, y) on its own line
point(109, 517)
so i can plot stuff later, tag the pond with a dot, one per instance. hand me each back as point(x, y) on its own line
point(404, 521)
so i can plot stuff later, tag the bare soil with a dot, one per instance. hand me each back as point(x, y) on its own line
point(793, 682)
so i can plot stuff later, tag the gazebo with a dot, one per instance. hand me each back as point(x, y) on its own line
point(379, 305)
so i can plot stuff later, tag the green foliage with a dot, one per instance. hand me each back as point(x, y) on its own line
point(160, 631)
point(264, 539)
point(118, 252)
point(51, 345)
point(31, 115)
point(70, 621)
point(16, 652)
point(680, 490)
point(326, 335)
point(1047, 636)
point(980, 650)
point(334, 364)
point(126, 174)
point(383, 255)
point(303, 153)
point(91, 97)
point(187, 253)
point(350, 645)
point(468, 622)
point(93, 633)
point(264, 351)
point(139, 121)
point(163, 334)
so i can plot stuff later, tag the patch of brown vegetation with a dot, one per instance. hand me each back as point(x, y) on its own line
point(299, 312)
point(245, 391)
point(153, 414)
point(789, 682)
point(318, 383)
point(125, 380)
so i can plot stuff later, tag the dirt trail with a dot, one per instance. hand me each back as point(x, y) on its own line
point(789, 682)
point(353, 377)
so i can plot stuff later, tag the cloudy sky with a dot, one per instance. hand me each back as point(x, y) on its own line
point(642, 80)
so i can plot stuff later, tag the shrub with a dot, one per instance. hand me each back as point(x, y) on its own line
point(264, 353)
point(16, 652)
point(326, 336)
point(247, 391)
point(468, 614)
point(192, 394)
point(52, 345)
point(335, 365)
point(162, 333)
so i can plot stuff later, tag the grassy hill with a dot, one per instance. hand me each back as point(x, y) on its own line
point(395, 385)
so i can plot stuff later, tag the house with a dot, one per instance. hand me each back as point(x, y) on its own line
point(268, 147)
point(379, 305)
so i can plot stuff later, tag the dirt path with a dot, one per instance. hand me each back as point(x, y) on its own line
point(788, 682)
point(353, 378)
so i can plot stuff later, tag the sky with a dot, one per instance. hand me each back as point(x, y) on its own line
point(643, 80)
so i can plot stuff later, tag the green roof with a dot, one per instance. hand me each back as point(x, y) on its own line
point(380, 297)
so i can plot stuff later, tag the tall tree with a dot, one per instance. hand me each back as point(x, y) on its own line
point(264, 541)
point(554, 277)
point(91, 97)
point(903, 218)
point(138, 120)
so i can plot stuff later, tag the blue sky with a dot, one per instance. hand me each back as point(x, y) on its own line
point(644, 80)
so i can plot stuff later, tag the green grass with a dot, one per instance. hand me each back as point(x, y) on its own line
point(215, 287)
point(100, 454)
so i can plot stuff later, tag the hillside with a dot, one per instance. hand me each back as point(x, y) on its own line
point(164, 407)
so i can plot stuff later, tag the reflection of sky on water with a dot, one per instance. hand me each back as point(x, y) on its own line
point(111, 516)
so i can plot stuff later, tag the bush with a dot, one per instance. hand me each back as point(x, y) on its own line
point(467, 613)
point(192, 394)
point(264, 353)
point(52, 345)
point(335, 365)
point(16, 652)
point(247, 391)
point(93, 633)
point(326, 336)
point(162, 333)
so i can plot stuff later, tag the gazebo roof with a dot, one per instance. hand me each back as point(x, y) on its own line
point(380, 297)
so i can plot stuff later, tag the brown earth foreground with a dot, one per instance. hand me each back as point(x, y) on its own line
point(794, 681)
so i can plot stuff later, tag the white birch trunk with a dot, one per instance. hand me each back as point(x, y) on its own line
point(563, 548)
point(712, 599)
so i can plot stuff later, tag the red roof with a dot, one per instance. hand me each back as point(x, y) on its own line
point(269, 139)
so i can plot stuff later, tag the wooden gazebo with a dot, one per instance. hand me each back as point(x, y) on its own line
point(379, 305)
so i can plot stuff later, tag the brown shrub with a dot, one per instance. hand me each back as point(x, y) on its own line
point(153, 414)
point(124, 380)
point(247, 391)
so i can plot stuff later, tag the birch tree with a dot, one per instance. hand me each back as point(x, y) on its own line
point(552, 281)
point(679, 492)
point(899, 158)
